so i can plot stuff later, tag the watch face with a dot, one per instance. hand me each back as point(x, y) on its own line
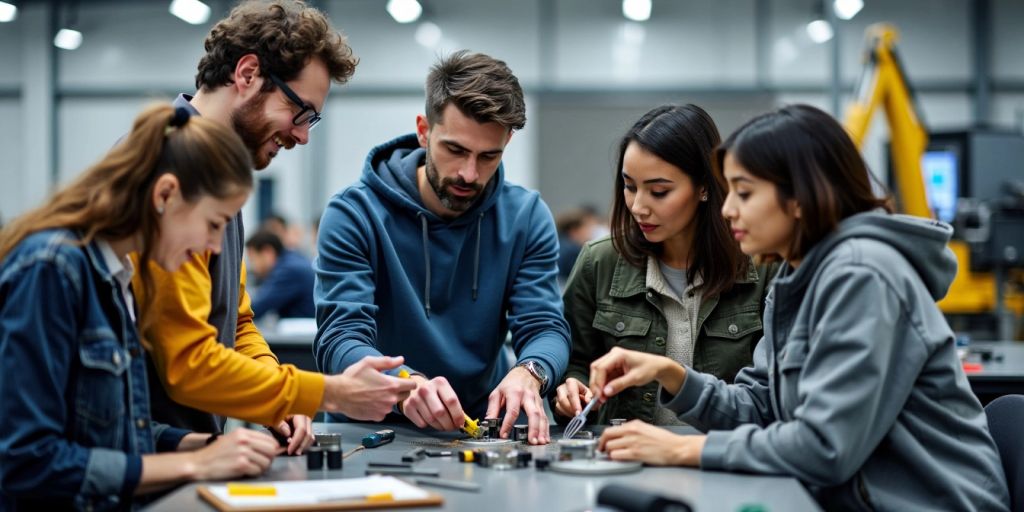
point(537, 370)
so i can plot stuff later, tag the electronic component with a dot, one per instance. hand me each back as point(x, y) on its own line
point(521, 433)
point(314, 458)
point(577, 449)
point(414, 455)
point(378, 438)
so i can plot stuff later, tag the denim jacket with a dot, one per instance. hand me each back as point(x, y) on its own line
point(608, 304)
point(74, 418)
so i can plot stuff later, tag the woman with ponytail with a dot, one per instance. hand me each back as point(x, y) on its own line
point(74, 420)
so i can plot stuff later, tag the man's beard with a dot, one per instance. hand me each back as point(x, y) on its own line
point(252, 126)
point(440, 186)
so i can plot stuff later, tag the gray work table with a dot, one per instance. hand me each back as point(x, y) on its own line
point(527, 489)
point(1002, 368)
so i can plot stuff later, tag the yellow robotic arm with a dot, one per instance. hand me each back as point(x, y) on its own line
point(883, 83)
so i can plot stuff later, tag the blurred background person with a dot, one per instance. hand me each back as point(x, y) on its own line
point(576, 226)
point(285, 278)
point(289, 234)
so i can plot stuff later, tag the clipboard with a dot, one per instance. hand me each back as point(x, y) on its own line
point(336, 494)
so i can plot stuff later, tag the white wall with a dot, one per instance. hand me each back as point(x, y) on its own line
point(586, 71)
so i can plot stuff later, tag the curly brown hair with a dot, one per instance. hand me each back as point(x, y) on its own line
point(481, 86)
point(284, 35)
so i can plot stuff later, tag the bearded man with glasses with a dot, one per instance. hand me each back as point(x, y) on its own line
point(208, 359)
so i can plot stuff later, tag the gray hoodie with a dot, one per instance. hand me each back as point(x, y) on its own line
point(856, 389)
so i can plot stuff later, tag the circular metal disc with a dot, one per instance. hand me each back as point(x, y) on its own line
point(488, 443)
point(595, 467)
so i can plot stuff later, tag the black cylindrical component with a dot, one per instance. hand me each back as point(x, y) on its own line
point(521, 433)
point(541, 463)
point(334, 457)
point(314, 458)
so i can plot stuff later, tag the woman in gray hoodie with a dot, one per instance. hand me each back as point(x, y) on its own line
point(856, 389)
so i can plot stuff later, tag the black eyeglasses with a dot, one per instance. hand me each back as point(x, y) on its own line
point(307, 114)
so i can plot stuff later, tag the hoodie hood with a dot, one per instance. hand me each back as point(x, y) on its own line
point(923, 242)
point(390, 170)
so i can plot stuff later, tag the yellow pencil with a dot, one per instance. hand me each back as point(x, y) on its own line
point(240, 489)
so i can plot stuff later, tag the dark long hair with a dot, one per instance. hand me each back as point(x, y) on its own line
point(684, 136)
point(114, 198)
point(810, 158)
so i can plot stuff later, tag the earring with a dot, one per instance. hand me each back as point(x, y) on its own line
point(704, 196)
point(159, 210)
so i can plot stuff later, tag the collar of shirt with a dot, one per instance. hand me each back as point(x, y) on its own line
point(122, 270)
point(656, 281)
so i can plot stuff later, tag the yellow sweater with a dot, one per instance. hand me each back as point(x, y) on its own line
point(246, 382)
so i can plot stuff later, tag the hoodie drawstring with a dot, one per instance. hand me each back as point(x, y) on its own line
point(476, 258)
point(426, 258)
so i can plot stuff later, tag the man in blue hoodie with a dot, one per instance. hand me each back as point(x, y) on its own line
point(434, 256)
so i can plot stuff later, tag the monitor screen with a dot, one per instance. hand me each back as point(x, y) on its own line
point(941, 178)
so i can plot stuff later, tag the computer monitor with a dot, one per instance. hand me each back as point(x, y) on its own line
point(941, 168)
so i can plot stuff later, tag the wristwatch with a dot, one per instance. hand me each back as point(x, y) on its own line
point(535, 369)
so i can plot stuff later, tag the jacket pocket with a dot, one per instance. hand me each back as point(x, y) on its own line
point(791, 361)
point(728, 341)
point(100, 395)
point(622, 329)
point(733, 325)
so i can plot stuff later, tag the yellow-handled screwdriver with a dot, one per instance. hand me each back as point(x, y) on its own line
point(470, 427)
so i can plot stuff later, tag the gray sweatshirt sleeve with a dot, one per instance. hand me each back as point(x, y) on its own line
point(706, 402)
point(854, 377)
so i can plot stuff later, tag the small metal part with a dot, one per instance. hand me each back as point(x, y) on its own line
point(334, 458)
point(328, 439)
point(403, 471)
point(487, 443)
point(595, 467)
point(497, 459)
point(521, 433)
point(618, 421)
point(378, 438)
point(519, 458)
point(576, 449)
point(449, 484)
point(493, 428)
point(439, 453)
point(524, 457)
point(314, 458)
point(380, 464)
point(584, 434)
point(414, 455)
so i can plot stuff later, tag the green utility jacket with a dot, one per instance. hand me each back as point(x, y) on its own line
point(607, 304)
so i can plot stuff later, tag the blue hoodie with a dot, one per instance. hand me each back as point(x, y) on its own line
point(393, 278)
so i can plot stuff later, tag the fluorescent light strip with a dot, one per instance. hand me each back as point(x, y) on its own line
point(8, 12)
point(68, 39)
point(847, 9)
point(404, 11)
point(190, 11)
point(636, 10)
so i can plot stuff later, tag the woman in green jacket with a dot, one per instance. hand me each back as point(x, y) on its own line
point(670, 280)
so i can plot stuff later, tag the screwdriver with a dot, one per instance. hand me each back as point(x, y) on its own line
point(470, 427)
